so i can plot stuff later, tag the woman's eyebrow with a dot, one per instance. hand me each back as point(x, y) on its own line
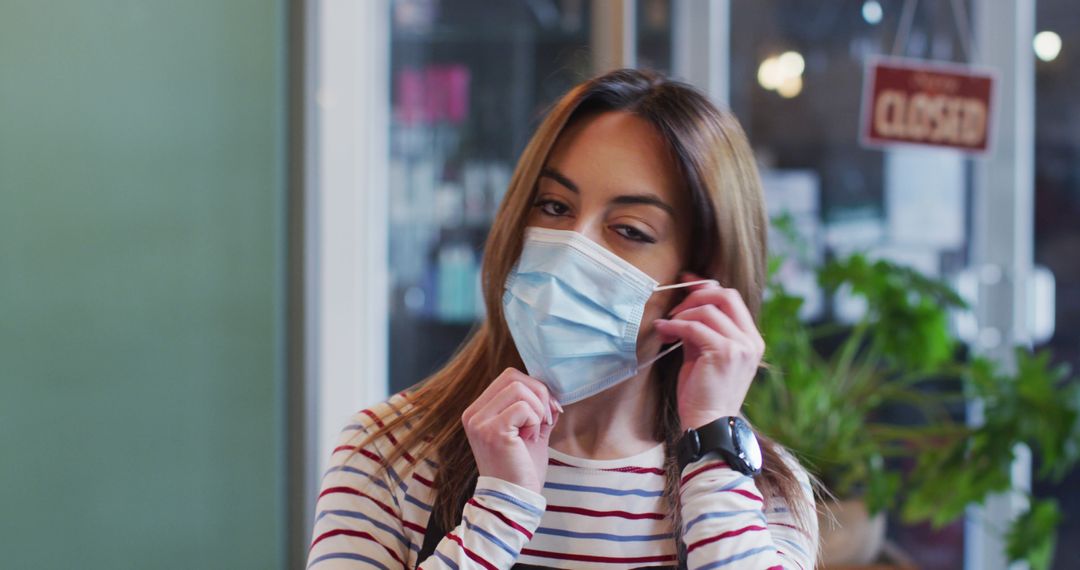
point(626, 199)
point(560, 178)
point(645, 199)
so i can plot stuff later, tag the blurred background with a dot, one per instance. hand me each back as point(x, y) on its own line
point(226, 226)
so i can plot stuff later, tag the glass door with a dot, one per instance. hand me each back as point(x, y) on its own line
point(469, 82)
point(796, 84)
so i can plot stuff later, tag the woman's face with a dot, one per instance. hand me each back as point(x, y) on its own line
point(612, 178)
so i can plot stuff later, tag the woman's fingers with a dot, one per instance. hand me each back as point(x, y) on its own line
point(715, 319)
point(508, 377)
point(695, 333)
point(545, 429)
point(506, 427)
point(727, 300)
point(518, 419)
point(511, 394)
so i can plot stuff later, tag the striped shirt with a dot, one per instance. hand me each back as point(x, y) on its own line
point(608, 514)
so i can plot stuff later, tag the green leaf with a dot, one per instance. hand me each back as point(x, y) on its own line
point(827, 408)
point(1032, 536)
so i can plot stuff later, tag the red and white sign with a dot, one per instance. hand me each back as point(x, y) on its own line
point(925, 103)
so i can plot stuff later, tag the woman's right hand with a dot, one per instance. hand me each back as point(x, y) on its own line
point(508, 428)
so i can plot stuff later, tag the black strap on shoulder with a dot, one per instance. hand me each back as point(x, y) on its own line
point(434, 533)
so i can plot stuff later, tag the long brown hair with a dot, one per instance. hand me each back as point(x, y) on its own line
point(728, 236)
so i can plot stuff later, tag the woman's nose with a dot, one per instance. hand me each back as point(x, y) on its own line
point(592, 229)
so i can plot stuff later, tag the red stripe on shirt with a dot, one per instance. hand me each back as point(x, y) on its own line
point(393, 440)
point(372, 456)
point(643, 470)
point(362, 451)
point(699, 470)
point(629, 469)
point(351, 491)
point(479, 559)
point(747, 494)
point(781, 553)
point(375, 417)
point(389, 436)
point(414, 527)
point(422, 479)
point(722, 536)
point(800, 530)
point(357, 534)
point(591, 558)
point(503, 518)
point(592, 513)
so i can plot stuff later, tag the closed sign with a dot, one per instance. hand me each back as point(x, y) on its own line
point(925, 103)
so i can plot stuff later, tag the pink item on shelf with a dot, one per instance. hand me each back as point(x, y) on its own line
point(410, 104)
point(434, 93)
point(457, 93)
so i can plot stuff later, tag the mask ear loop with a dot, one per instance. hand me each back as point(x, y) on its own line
point(687, 284)
point(675, 346)
point(662, 354)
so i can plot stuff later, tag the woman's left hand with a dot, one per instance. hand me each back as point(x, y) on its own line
point(721, 352)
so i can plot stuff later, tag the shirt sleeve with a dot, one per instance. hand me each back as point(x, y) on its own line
point(496, 523)
point(726, 524)
point(359, 523)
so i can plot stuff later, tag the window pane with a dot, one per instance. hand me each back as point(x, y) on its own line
point(470, 79)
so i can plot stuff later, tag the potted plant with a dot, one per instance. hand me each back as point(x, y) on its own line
point(829, 407)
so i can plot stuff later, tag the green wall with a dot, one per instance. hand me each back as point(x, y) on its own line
point(142, 192)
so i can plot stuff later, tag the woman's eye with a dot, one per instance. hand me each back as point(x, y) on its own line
point(552, 207)
point(634, 234)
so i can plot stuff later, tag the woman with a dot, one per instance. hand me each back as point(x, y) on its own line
point(560, 433)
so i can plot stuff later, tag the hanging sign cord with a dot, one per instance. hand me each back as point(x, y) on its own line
point(906, 17)
point(963, 26)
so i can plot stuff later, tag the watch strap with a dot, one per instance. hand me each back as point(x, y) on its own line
point(713, 436)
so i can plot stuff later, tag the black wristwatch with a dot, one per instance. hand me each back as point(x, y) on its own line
point(730, 436)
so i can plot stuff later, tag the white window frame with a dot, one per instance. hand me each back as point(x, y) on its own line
point(346, 108)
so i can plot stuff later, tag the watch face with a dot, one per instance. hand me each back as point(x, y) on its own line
point(746, 444)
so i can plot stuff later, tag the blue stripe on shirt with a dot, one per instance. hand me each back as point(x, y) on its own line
point(794, 545)
point(491, 537)
point(417, 502)
point(350, 556)
point(445, 560)
point(735, 558)
point(356, 471)
point(510, 499)
point(363, 516)
point(389, 468)
point(605, 536)
point(397, 478)
point(723, 514)
point(603, 490)
point(735, 484)
point(370, 477)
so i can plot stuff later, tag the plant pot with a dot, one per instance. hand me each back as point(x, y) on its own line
point(854, 537)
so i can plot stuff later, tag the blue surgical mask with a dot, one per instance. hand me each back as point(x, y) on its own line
point(574, 310)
